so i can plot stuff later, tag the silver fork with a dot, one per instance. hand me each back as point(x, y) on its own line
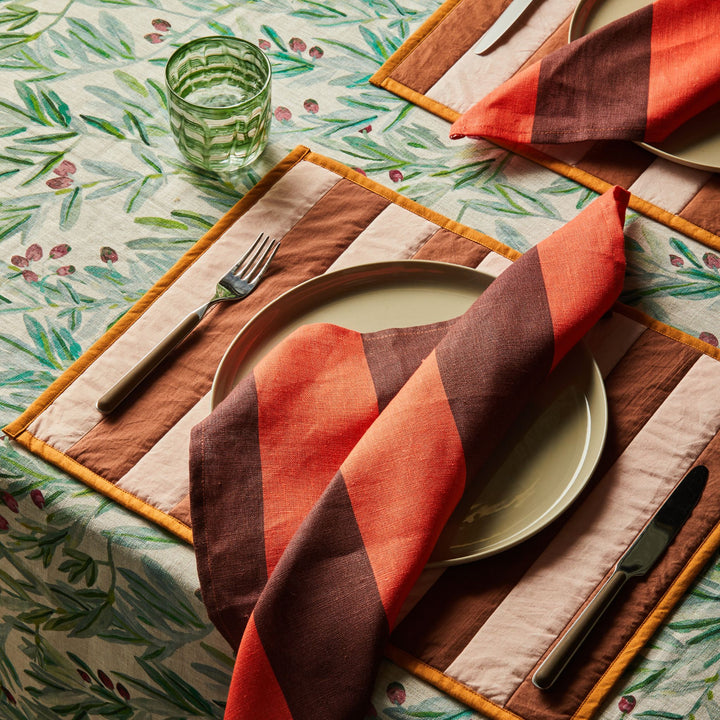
point(237, 283)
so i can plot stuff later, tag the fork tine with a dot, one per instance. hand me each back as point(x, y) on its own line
point(251, 253)
point(268, 256)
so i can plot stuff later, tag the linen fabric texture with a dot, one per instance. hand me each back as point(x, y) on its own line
point(320, 485)
point(638, 78)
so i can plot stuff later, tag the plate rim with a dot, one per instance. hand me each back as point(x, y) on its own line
point(392, 267)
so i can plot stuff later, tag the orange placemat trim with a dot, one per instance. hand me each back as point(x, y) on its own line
point(105, 487)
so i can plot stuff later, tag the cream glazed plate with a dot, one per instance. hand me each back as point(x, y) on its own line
point(546, 459)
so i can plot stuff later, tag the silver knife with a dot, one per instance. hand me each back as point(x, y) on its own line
point(510, 15)
point(637, 560)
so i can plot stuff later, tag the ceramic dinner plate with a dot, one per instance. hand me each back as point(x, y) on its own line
point(547, 457)
point(697, 142)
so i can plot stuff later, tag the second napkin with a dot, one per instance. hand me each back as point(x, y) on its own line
point(319, 486)
point(638, 78)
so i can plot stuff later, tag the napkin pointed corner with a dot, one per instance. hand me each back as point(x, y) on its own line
point(583, 267)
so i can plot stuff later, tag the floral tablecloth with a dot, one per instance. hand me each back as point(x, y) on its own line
point(101, 615)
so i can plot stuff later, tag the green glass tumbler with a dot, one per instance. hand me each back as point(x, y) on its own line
point(219, 101)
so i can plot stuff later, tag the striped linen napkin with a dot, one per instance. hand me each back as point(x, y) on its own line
point(638, 78)
point(343, 454)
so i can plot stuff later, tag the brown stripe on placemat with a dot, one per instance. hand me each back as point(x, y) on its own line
point(702, 210)
point(116, 443)
point(181, 511)
point(616, 161)
point(613, 99)
point(447, 246)
point(635, 602)
point(445, 620)
point(638, 385)
point(447, 43)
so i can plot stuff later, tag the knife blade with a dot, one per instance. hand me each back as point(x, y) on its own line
point(637, 560)
point(509, 16)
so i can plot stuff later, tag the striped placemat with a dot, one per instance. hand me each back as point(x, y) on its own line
point(437, 69)
point(476, 631)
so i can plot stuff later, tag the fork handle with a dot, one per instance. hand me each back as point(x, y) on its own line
point(128, 382)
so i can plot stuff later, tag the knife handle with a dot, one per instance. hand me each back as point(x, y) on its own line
point(562, 653)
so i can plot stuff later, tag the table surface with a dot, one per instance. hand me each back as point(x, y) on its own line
point(101, 610)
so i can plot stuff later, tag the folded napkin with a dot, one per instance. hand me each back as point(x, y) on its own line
point(320, 485)
point(638, 78)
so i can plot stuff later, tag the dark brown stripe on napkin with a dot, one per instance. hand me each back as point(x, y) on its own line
point(236, 582)
point(117, 442)
point(334, 598)
point(471, 396)
point(394, 356)
point(613, 99)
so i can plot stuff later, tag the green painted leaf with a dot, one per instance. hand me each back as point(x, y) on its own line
point(103, 125)
point(56, 108)
point(134, 84)
point(273, 36)
point(70, 210)
point(161, 222)
point(32, 103)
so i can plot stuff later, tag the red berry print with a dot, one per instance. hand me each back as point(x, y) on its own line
point(316, 52)
point(627, 703)
point(105, 680)
point(676, 261)
point(154, 38)
point(122, 691)
point(65, 270)
point(59, 183)
point(297, 45)
point(11, 502)
point(19, 261)
point(395, 175)
point(711, 260)
point(30, 276)
point(34, 252)
point(4, 524)
point(107, 254)
point(59, 251)
point(311, 106)
point(65, 168)
point(709, 338)
point(38, 498)
point(396, 693)
point(263, 44)
point(282, 114)
point(161, 25)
